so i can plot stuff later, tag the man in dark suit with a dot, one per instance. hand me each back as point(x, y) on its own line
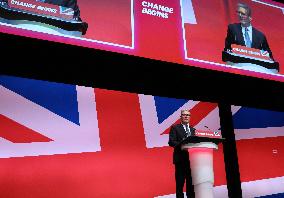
point(180, 157)
point(244, 34)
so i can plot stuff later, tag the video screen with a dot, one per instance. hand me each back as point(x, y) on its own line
point(78, 141)
point(259, 135)
point(242, 37)
point(236, 34)
point(82, 22)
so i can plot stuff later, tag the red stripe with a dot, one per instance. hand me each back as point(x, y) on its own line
point(198, 112)
point(17, 133)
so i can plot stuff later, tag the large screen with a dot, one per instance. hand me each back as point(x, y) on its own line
point(244, 38)
point(259, 136)
point(61, 140)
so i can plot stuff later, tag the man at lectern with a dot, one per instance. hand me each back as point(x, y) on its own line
point(66, 3)
point(244, 34)
point(180, 157)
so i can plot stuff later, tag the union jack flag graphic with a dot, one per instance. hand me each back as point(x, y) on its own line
point(87, 142)
point(40, 115)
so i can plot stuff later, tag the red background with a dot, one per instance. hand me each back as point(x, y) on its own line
point(108, 20)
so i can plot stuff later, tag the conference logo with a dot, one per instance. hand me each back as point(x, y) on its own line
point(66, 11)
point(264, 53)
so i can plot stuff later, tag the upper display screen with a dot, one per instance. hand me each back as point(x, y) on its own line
point(244, 38)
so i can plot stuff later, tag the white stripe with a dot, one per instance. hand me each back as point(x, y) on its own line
point(188, 14)
point(258, 133)
point(218, 191)
point(263, 187)
point(250, 189)
point(235, 109)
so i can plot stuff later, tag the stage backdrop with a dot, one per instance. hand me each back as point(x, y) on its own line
point(59, 140)
point(190, 32)
point(260, 135)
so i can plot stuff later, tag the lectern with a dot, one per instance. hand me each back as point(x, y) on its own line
point(250, 59)
point(200, 148)
point(41, 17)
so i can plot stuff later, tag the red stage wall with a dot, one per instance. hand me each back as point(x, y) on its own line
point(108, 150)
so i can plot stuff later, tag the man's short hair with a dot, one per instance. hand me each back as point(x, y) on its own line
point(246, 7)
point(183, 110)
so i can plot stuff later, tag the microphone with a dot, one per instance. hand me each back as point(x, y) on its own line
point(215, 131)
point(207, 128)
point(210, 129)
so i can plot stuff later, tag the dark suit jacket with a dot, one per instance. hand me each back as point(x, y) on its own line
point(69, 4)
point(235, 36)
point(177, 133)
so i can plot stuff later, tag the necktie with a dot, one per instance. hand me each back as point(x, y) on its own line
point(187, 130)
point(248, 42)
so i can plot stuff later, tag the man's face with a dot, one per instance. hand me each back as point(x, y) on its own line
point(185, 117)
point(243, 16)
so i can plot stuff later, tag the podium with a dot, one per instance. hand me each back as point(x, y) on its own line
point(250, 59)
point(35, 18)
point(200, 150)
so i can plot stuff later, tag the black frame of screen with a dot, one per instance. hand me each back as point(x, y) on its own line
point(57, 62)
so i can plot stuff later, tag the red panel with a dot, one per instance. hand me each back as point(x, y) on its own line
point(261, 158)
point(17, 133)
point(108, 20)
